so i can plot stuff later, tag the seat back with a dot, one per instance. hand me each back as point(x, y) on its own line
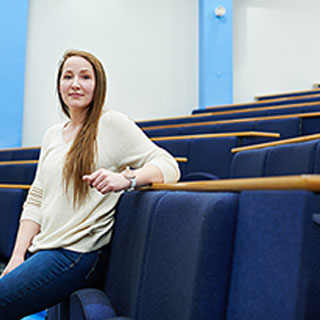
point(288, 159)
point(211, 155)
point(275, 272)
point(249, 163)
point(125, 267)
point(17, 173)
point(171, 255)
point(20, 154)
point(11, 206)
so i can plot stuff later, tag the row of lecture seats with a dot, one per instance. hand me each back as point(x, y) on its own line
point(208, 255)
point(190, 150)
point(265, 97)
point(202, 255)
point(210, 159)
point(204, 158)
point(280, 158)
point(207, 156)
point(215, 251)
point(278, 101)
point(13, 190)
point(288, 125)
point(234, 114)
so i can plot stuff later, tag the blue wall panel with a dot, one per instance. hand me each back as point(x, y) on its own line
point(13, 33)
point(215, 54)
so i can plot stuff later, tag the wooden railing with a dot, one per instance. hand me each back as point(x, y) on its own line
point(220, 135)
point(235, 111)
point(297, 182)
point(277, 143)
point(310, 182)
point(206, 123)
point(296, 94)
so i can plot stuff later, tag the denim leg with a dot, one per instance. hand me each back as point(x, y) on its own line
point(43, 280)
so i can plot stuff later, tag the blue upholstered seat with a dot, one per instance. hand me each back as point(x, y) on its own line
point(258, 105)
point(211, 156)
point(247, 164)
point(287, 128)
point(288, 159)
point(17, 173)
point(19, 154)
point(170, 256)
point(275, 271)
point(11, 204)
point(206, 155)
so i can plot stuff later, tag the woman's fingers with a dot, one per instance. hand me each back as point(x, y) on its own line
point(106, 181)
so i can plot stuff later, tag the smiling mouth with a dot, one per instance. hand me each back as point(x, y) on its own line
point(75, 95)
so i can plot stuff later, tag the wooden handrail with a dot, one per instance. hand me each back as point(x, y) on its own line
point(260, 102)
point(277, 143)
point(181, 159)
point(235, 111)
point(296, 182)
point(307, 93)
point(15, 186)
point(206, 123)
point(220, 135)
point(19, 148)
point(19, 162)
point(267, 108)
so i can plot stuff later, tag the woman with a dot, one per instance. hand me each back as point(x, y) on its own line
point(68, 216)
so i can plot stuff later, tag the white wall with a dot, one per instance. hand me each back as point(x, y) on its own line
point(276, 46)
point(148, 47)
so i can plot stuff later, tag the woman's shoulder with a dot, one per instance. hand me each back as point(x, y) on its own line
point(111, 115)
point(52, 132)
point(114, 118)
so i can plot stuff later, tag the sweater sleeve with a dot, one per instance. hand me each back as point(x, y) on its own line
point(32, 205)
point(133, 148)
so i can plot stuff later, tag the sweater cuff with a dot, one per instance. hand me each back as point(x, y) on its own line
point(170, 170)
point(28, 214)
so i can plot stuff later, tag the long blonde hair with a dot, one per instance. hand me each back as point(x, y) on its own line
point(80, 159)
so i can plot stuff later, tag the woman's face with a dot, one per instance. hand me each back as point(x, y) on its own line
point(77, 83)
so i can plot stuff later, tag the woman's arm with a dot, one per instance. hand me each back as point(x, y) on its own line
point(27, 230)
point(106, 181)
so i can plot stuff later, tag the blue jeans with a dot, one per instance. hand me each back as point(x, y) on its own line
point(47, 278)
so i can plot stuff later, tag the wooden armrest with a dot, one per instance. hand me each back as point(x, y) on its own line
point(277, 143)
point(298, 182)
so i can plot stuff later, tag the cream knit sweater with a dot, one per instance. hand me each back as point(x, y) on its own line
point(120, 142)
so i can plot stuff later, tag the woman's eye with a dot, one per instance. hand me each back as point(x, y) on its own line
point(66, 77)
point(86, 77)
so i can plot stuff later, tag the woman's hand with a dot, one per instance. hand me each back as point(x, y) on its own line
point(107, 181)
point(14, 262)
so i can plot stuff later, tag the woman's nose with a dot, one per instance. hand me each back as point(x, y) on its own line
point(75, 83)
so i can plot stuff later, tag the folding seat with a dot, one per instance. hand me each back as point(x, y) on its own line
point(20, 154)
point(250, 163)
point(11, 206)
point(310, 125)
point(288, 128)
point(275, 271)
point(211, 156)
point(170, 258)
point(17, 173)
point(291, 159)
